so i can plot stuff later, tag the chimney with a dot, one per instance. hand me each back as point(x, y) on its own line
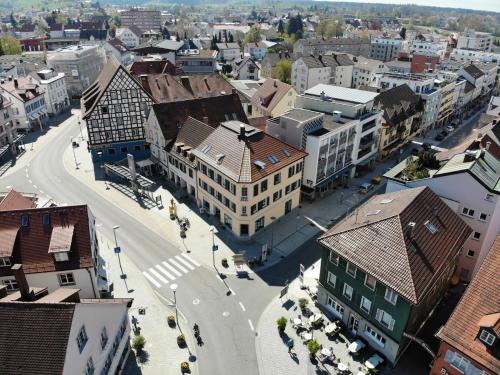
point(275, 83)
point(242, 135)
point(22, 283)
point(488, 144)
point(205, 119)
point(409, 229)
point(16, 84)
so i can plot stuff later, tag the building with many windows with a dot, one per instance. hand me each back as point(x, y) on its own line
point(56, 246)
point(353, 46)
point(115, 108)
point(62, 334)
point(470, 338)
point(387, 48)
point(54, 87)
point(475, 171)
point(474, 40)
point(386, 266)
point(144, 20)
point(367, 72)
point(247, 178)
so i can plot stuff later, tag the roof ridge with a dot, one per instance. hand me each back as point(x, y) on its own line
point(364, 224)
point(407, 257)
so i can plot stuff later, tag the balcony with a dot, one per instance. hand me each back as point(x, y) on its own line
point(368, 126)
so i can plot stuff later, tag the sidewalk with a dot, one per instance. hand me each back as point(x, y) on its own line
point(161, 355)
point(286, 234)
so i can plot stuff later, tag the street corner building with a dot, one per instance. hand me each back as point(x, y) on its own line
point(62, 334)
point(115, 108)
point(247, 178)
point(386, 265)
point(470, 340)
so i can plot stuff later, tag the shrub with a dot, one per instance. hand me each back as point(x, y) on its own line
point(313, 347)
point(281, 323)
point(138, 343)
point(303, 302)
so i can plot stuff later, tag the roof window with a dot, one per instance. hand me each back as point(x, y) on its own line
point(273, 159)
point(286, 152)
point(432, 228)
point(260, 164)
point(206, 148)
point(219, 158)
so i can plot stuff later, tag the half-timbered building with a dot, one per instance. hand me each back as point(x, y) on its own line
point(115, 108)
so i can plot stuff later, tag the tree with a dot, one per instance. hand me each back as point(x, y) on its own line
point(281, 26)
point(284, 71)
point(177, 38)
point(231, 38)
point(220, 37)
point(138, 343)
point(165, 33)
point(213, 43)
point(402, 33)
point(294, 25)
point(13, 21)
point(253, 36)
point(10, 45)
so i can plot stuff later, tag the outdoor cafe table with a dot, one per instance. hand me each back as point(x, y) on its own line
point(356, 346)
point(330, 328)
point(326, 352)
point(372, 362)
point(342, 367)
point(315, 318)
point(297, 321)
point(307, 336)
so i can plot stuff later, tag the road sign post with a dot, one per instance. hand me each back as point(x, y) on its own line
point(264, 252)
point(302, 269)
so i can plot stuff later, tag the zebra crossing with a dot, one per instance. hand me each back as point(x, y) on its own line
point(167, 271)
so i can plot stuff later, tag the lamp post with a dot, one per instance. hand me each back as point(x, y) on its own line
point(117, 248)
point(174, 289)
point(74, 155)
point(80, 126)
point(214, 232)
point(272, 235)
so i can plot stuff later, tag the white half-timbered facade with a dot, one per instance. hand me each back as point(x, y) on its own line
point(115, 108)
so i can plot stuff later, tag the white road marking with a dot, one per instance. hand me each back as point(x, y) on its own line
point(30, 181)
point(183, 261)
point(36, 187)
point(41, 191)
point(232, 291)
point(190, 259)
point(158, 276)
point(250, 324)
point(178, 265)
point(220, 279)
point(153, 281)
point(226, 314)
point(242, 307)
point(162, 270)
point(172, 269)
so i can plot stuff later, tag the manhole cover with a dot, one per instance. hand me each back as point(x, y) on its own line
point(196, 301)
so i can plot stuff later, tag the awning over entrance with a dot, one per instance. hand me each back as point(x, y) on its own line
point(145, 163)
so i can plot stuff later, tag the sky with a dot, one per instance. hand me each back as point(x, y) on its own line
point(491, 5)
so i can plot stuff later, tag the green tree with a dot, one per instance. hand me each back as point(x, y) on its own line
point(231, 38)
point(284, 71)
point(138, 343)
point(213, 43)
point(13, 21)
point(10, 45)
point(402, 33)
point(253, 36)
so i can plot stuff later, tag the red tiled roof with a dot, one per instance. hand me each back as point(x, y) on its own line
point(31, 248)
point(240, 156)
point(34, 337)
point(171, 88)
point(15, 201)
point(374, 239)
point(25, 90)
point(270, 94)
point(481, 300)
point(139, 68)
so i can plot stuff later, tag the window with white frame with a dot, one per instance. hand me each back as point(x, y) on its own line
point(391, 296)
point(66, 279)
point(468, 212)
point(385, 319)
point(334, 258)
point(351, 269)
point(5, 261)
point(336, 307)
point(374, 336)
point(365, 305)
point(476, 235)
point(487, 337)
point(332, 279)
point(370, 282)
point(82, 339)
point(89, 367)
point(457, 361)
point(10, 284)
point(483, 216)
point(347, 291)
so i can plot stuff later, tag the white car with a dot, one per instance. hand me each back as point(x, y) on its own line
point(450, 128)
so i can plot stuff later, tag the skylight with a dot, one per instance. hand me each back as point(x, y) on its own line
point(432, 228)
point(206, 148)
point(273, 159)
point(387, 201)
point(219, 158)
point(286, 152)
point(373, 213)
point(260, 164)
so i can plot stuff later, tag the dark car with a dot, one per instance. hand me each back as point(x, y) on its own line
point(439, 137)
point(414, 151)
point(444, 133)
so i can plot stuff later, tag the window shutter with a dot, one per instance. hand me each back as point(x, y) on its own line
point(379, 315)
point(391, 325)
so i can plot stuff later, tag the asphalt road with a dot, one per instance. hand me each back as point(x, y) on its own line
point(227, 322)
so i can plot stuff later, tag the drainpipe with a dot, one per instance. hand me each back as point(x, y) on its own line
point(92, 282)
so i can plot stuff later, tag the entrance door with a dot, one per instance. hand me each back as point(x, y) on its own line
point(217, 212)
point(243, 229)
point(288, 206)
point(353, 324)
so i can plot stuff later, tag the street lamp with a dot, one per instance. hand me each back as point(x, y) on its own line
point(174, 289)
point(272, 235)
point(214, 232)
point(117, 248)
point(80, 126)
point(74, 155)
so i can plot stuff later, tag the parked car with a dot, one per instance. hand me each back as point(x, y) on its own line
point(450, 128)
point(414, 151)
point(426, 146)
point(366, 188)
point(439, 137)
point(376, 180)
point(444, 133)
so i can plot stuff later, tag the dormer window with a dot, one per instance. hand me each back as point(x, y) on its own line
point(487, 337)
point(5, 262)
point(25, 220)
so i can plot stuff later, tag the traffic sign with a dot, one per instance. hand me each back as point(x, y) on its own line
point(215, 247)
point(118, 250)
